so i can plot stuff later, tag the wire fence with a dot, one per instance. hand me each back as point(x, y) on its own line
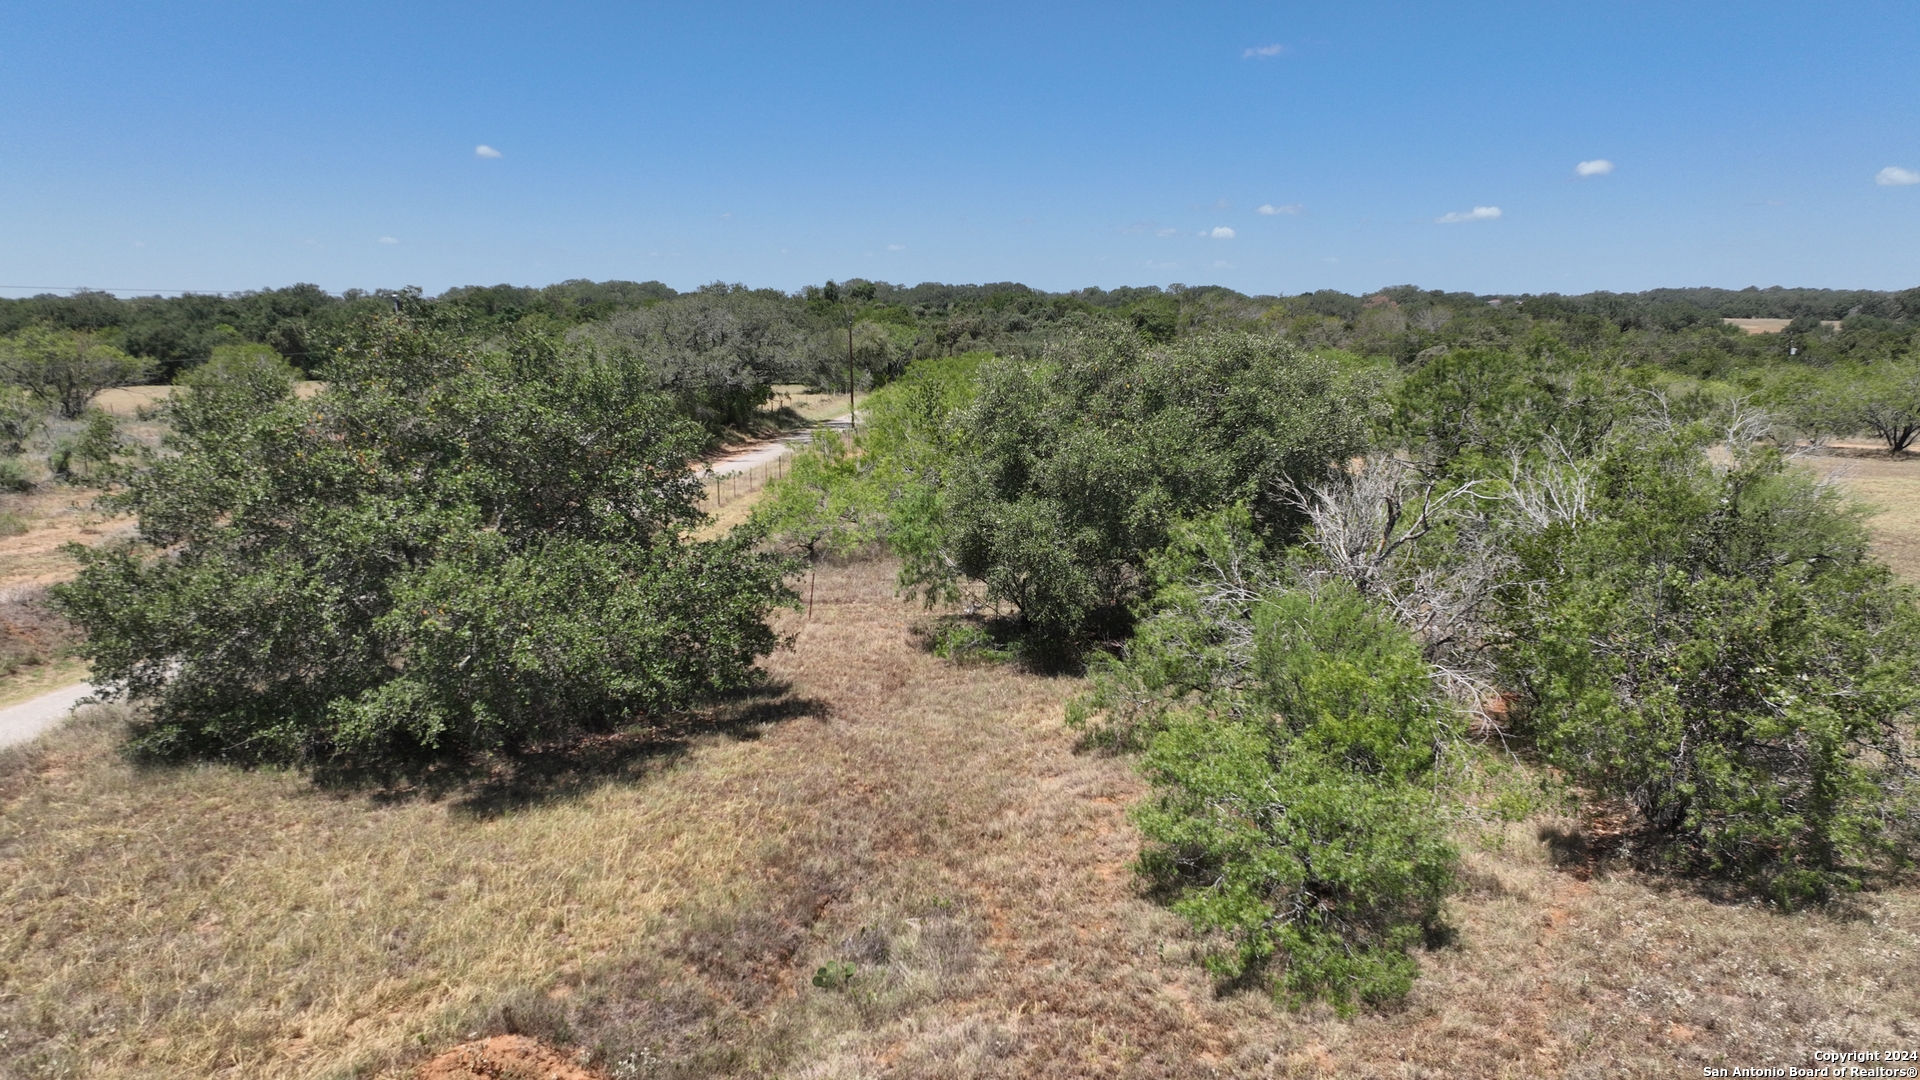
point(725, 488)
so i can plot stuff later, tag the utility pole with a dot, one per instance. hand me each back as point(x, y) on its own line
point(849, 301)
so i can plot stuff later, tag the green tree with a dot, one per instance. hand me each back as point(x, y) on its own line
point(715, 352)
point(1466, 409)
point(1070, 471)
point(1886, 401)
point(1714, 644)
point(451, 549)
point(66, 368)
point(90, 455)
point(820, 508)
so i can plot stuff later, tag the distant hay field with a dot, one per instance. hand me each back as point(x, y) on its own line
point(1771, 326)
point(127, 401)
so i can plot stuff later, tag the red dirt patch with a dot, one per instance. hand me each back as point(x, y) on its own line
point(506, 1057)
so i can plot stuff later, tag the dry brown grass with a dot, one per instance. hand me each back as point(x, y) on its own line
point(34, 642)
point(667, 903)
point(810, 407)
point(36, 646)
point(1892, 487)
point(730, 499)
point(54, 516)
point(127, 401)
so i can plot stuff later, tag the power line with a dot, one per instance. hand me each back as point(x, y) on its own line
point(113, 289)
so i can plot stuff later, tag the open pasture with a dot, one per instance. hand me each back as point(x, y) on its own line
point(664, 900)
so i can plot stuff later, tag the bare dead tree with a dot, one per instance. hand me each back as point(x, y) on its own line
point(1558, 489)
point(1370, 525)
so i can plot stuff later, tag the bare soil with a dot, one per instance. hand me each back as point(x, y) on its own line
point(506, 1057)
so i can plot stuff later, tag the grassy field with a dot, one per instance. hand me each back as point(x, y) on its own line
point(811, 407)
point(127, 401)
point(664, 899)
point(1891, 487)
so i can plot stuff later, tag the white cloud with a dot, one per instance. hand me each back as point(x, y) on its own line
point(1596, 167)
point(1263, 52)
point(485, 151)
point(1222, 204)
point(896, 247)
point(1478, 213)
point(388, 240)
point(1165, 232)
point(1290, 208)
point(1221, 232)
point(1895, 176)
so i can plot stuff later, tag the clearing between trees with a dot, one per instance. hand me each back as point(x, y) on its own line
point(666, 901)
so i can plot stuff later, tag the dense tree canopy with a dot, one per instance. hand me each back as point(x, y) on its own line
point(1075, 467)
point(453, 548)
point(1675, 329)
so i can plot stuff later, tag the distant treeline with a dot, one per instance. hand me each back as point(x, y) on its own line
point(304, 322)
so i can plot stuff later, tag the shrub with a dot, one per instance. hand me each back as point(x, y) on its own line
point(450, 550)
point(20, 419)
point(1467, 408)
point(886, 486)
point(14, 475)
point(962, 641)
point(1194, 641)
point(1070, 472)
point(1715, 645)
point(819, 507)
point(1305, 829)
point(90, 455)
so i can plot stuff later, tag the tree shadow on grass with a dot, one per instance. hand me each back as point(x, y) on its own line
point(495, 784)
point(970, 638)
point(1610, 839)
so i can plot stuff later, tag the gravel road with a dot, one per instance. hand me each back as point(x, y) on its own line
point(19, 723)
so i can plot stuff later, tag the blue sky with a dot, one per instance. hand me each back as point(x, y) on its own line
point(230, 146)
